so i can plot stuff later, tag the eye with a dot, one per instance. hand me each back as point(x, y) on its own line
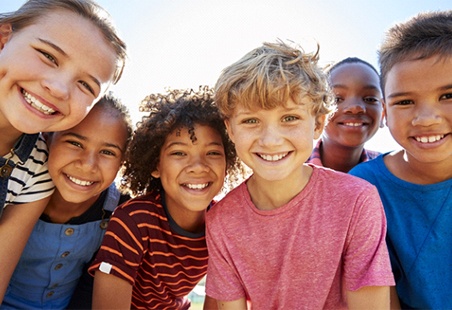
point(215, 153)
point(371, 100)
point(87, 87)
point(290, 118)
point(338, 99)
point(108, 152)
point(250, 121)
point(75, 143)
point(446, 96)
point(403, 102)
point(177, 153)
point(48, 56)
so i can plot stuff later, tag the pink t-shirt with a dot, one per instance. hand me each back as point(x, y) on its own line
point(329, 238)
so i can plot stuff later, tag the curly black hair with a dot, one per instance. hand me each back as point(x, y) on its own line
point(168, 112)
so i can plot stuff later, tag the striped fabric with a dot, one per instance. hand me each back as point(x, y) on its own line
point(146, 248)
point(30, 181)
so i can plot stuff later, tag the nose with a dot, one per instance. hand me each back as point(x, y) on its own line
point(87, 161)
point(58, 85)
point(353, 105)
point(198, 164)
point(270, 136)
point(426, 115)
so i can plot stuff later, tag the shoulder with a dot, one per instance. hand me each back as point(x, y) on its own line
point(233, 200)
point(141, 206)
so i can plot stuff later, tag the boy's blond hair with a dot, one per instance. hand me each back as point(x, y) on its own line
point(421, 37)
point(268, 76)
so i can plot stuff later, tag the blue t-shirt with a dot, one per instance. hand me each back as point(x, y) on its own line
point(419, 235)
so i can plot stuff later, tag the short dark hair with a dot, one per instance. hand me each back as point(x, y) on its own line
point(423, 36)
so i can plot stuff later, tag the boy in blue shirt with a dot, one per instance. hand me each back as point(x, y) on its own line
point(415, 183)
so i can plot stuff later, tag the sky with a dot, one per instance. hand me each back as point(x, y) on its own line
point(186, 43)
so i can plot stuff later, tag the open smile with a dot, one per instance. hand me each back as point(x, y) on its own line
point(79, 182)
point(38, 105)
point(275, 157)
point(429, 139)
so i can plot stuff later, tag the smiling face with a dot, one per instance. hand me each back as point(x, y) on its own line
point(52, 72)
point(82, 162)
point(359, 109)
point(275, 143)
point(191, 173)
point(418, 107)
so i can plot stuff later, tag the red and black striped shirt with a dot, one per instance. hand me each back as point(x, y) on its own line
point(148, 249)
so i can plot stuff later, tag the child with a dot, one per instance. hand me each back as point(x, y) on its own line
point(356, 87)
point(415, 183)
point(83, 165)
point(57, 58)
point(154, 251)
point(294, 235)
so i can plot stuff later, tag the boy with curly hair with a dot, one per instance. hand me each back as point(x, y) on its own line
point(293, 235)
point(154, 251)
point(415, 183)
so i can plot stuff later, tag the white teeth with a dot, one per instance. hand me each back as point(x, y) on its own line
point(35, 103)
point(429, 139)
point(272, 157)
point(353, 124)
point(197, 186)
point(80, 182)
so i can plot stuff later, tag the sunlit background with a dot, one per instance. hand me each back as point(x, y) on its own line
point(186, 43)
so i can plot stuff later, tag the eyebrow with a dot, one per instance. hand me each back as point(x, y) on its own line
point(177, 143)
point(83, 138)
point(369, 86)
point(62, 52)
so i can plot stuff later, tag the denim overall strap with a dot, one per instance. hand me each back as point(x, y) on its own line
point(22, 149)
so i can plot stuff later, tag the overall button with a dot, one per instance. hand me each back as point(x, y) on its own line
point(58, 266)
point(69, 231)
point(65, 254)
point(50, 294)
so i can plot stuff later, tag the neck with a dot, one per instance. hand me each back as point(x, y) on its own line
point(9, 137)
point(270, 195)
point(60, 210)
point(410, 170)
point(339, 157)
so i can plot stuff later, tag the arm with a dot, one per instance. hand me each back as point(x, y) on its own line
point(210, 303)
point(111, 292)
point(16, 225)
point(395, 303)
point(238, 304)
point(369, 297)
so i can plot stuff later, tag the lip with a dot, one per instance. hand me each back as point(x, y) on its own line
point(37, 104)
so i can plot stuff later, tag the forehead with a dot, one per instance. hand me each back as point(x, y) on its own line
point(199, 134)
point(419, 76)
point(353, 71)
point(79, 38)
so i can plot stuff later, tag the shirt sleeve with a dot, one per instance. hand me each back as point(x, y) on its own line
point(366, 259)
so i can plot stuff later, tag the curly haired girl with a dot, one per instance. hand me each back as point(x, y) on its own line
point(154, 252)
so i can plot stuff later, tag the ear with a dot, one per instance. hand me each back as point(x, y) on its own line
point(319, 126)
point(383, 116)
point(155, 174)
point(227, 123)
point(5, 34)
point(382, 123)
